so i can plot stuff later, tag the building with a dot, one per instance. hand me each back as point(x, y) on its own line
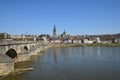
point(55, 40)
point(54, 32)
point(78, 41)
point(4, 35)
point(117, 40)
point(70, 40)
point(64, 35)
point(17, 37)
point(87, 41)
point(98, 40)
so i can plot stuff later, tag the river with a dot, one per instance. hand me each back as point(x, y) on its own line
point(74, 63)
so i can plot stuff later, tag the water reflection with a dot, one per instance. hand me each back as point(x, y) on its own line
point(55, 54)
point(98, 51)
point(109, 54)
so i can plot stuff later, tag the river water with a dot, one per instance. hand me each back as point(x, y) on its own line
point(74, 63)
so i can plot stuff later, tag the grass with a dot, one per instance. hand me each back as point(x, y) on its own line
point(87, 45)
point(104, 45)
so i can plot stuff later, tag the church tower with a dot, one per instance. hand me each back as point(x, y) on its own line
point(64, 34)
point(54, 32)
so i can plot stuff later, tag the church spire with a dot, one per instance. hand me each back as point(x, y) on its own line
point(54, 32)
point(64, 32)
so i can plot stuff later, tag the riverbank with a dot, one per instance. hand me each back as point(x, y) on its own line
point(86, 45)
point(103, 45)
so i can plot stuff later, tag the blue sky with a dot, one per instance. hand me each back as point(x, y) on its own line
point(75, 16)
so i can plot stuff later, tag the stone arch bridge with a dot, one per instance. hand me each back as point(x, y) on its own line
point(21, 51)
point(12, 52)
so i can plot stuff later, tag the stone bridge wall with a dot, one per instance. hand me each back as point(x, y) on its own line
point(2, 50)
point(21, 47)
point(18, 46)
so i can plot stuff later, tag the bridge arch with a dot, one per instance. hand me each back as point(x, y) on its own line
point(33, 45)
point(26, 48)
point(11, 53)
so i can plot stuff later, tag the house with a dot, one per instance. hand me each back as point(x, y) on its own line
point(3, 35)
point(98, 40)
point(77, 41)
point(107, 42)
point(55, 40)
point(16, 37)
point(69, 40)
point(117, 40)
point(65, 41)
point(86, 41)
point(44, 38)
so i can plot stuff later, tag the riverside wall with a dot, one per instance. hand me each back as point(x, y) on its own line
point(7, 63)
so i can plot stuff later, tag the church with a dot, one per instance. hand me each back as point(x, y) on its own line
point(58, 38)
point(63, 35)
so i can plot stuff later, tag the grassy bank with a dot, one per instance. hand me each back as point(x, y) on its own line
point(66, 45)
point(87, 45)
point(104, 45)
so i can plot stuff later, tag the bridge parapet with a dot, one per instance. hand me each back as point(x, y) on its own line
point(20, 46)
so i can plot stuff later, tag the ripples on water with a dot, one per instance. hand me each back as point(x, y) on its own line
point(75, 63)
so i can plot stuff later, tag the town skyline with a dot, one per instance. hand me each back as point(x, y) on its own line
point(77, 17)
point(58, 33)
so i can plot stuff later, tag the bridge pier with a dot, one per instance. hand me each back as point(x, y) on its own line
point(6, 65)
point(22, 57)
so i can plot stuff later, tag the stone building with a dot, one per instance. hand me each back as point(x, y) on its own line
point(4, 35)
point(64, 35)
